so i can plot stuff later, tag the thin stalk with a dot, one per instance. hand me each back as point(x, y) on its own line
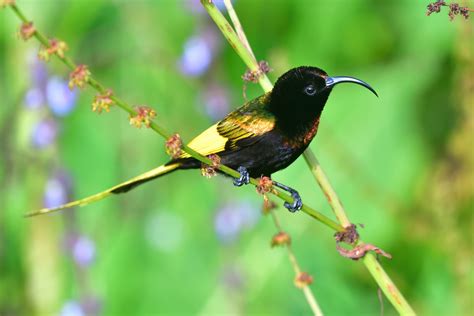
point(376, 270)
point(327, 188)
point(238, 27)
point(165, 134)
point(313, 304)
point(236, 44)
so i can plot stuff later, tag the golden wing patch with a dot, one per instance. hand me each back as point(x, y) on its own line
point(208, 142)
point(247, 122)
point(244, 127)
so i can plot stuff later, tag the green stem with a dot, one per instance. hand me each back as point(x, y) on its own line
point(376, 270)
point(387, 286)
point(327, 188)
point(165, 134)
point(236, 44)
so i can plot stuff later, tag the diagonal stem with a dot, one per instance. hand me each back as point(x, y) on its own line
point(165, 134)
point(376, 270)
point(313, 304)
point(238, 27)
point(327, 188)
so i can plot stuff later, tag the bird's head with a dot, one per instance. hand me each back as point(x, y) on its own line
point(301, 93)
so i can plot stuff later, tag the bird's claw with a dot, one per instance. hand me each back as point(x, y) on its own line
point(244, 177)
point(297, 203)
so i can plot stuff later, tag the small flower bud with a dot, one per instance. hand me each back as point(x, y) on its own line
point(281, 239)
point(55, 47)
point(102, 102)
point(254, 75)
point(79, 77)
point(265, 185)
point(209, 171)
point(27, 30)
point(303, 279)
point(173, 146)
point(144, 116)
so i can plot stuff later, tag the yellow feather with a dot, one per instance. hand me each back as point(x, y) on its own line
point(247, 121)
point(208, 142)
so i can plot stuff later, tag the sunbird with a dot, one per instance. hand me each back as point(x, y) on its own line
point(261, 137)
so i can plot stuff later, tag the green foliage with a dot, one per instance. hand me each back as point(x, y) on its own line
point(383, 156)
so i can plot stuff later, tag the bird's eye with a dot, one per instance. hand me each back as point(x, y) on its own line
point(310, 90)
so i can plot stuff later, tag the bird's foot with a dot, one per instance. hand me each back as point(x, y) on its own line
point(297, 202)
point(244, 177)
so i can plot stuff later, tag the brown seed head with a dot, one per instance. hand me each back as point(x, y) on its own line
point(303, 279)
point(281, 239)
point(210, 171)
point(173, 146)
point(265, 185)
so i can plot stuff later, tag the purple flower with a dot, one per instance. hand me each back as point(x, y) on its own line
point(198, 53)
point(57, 190)
point(72, 308)
point(38, 71)
point(216, 101)
point(60, 99)
point(34, 98)
point(44, 133)
point(231, 219)
point(83, 251)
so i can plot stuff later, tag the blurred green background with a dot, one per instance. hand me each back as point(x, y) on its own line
point(402, 164)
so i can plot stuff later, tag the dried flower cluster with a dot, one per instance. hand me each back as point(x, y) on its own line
point(303, 279)
point(103, 102)
point(254, 75)
point(349, 235)
point(454, 9)
point(27, 30)
point(281, 239)
point(55, 47)
point(210, 171)
point(265, 185)
point(79, 77)
point(144, 116)
point(174, 146)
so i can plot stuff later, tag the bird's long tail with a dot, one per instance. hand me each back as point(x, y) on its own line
point(120, 188)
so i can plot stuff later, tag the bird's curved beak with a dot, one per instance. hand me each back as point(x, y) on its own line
point(332, 81)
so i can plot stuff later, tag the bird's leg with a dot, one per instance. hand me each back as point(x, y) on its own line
point(297, 202)
point(244, 177)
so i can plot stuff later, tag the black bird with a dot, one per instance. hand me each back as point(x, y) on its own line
point(263, 136)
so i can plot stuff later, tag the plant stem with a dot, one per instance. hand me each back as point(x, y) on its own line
point(376, 270)
point(165, 134)
point(327, 188)
point(238, 28)
point(313, 304)
point(236, 44)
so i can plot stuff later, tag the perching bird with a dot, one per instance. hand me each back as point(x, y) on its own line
point(263, 136)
